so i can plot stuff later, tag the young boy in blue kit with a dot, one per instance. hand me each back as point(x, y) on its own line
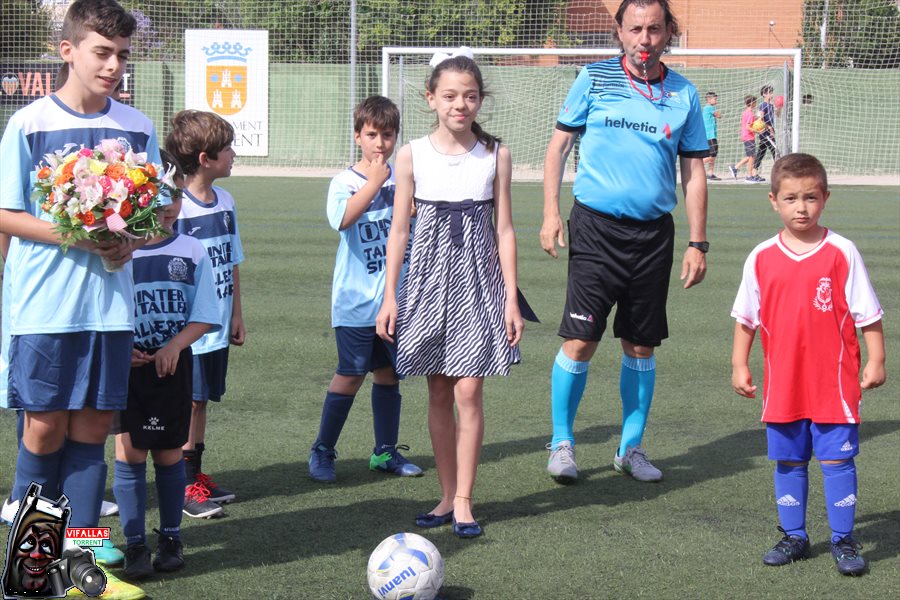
point(360, 205)
point(175, 304)
point(65, 309)
point(201, 143)
point(807, 291)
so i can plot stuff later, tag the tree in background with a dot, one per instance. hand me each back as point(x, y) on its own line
point(317, 31)
point(26, 30)
point(862, 34)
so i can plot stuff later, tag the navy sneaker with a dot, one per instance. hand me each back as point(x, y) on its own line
point(169, 553)
point(789, 549)
point(137, 562)
point(388, 459)
point(321, 463)
point(847, 557)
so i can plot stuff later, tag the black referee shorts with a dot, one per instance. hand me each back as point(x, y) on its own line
point(618, 262)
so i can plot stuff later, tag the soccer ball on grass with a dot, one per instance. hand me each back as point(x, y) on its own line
point(405, 566)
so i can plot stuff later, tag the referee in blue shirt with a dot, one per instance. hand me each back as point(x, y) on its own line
point(634, 116)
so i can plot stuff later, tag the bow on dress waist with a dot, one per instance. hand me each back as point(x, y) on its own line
point(455, 210)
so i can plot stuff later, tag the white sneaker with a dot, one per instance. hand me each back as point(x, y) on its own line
point(561, 465)
point(107, 509)
point(9, 510)
point(636, 464)
point(11, 507)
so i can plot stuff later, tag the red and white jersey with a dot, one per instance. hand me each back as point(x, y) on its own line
point(807, 308)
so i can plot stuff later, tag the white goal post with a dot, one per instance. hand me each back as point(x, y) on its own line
point(527, 86)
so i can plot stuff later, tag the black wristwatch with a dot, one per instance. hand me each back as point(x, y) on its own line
point(701, 246)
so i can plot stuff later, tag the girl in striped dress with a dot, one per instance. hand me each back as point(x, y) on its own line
point(456, 319)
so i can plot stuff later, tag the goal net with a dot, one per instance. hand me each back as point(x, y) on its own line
point(323, 56)
point(527, 86)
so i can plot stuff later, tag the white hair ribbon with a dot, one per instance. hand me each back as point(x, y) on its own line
point(440, 57)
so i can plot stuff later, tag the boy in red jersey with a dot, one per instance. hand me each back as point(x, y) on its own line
point(807, 290)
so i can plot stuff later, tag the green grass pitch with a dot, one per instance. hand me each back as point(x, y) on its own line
point(698, 534)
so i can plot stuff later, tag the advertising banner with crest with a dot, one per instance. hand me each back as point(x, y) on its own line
point(226, 71)
point(23, 83)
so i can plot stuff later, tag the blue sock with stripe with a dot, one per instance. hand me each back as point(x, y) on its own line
point(39, 468)
point(568, 380)
point(334, 415)
point(839, 481)
point(83, 481)
point(170, 482)
point(130, 490)
point(386, 413)
point(791, 492)
point(637, 380)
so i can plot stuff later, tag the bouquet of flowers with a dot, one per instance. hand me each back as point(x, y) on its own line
point(102, 193)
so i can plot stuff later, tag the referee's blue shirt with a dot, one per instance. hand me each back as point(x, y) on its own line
point(628, 142)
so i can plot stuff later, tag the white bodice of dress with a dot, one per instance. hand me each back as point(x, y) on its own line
point(453, 177)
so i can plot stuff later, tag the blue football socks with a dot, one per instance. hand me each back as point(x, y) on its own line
point(334, 415)
point(83, 481)
point(386, 413)
point(839, 481)
point(170, 482)
point(791, 492)
point(39, 468)
point(130, 489)
point(568, 380)
point(636, 382)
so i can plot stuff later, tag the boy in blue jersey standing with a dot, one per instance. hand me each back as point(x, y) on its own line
point(201, 143)
point(710, 122)
point(175, 304)
point(360, 206)
point(70, 320)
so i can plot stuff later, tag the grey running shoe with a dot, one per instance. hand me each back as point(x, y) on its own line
point(847, 557)
point(197, 503)
point(733, 171)
point(636, 464)
point(787, 550)
point(561, 465)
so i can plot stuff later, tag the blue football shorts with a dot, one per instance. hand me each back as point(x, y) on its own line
point(70, 371)
point(361, 351)
point(210, 370)
point(797, 441)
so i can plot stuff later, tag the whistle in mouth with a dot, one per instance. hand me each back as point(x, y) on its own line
point(644, 56)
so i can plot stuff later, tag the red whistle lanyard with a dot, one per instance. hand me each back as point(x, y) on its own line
point(662, 78)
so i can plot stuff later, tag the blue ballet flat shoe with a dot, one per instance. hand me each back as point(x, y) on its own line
point(467, 530)
point(428, 520)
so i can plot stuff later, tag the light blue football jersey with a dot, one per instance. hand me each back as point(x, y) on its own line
point(710, 123)
point(173, 286)
point(50, 291)
point(215, 226)
point(628, 142)
point(4, 345)
point(357, 288)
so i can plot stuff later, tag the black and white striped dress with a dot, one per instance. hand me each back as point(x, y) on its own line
point(450, 318)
